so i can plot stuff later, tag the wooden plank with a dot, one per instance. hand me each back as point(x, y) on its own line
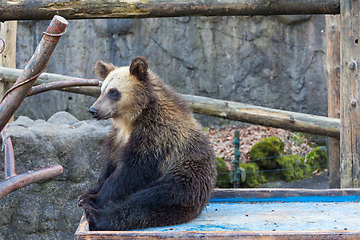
point(227, 219)
point(333, 84)
point(83, 225)
point(350, 93)
point(258, 235)
point(267, 193)
point(80, 9)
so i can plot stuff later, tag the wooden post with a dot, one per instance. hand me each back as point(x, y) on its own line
point(350, 93)
point(8, 57)
point(333, 83)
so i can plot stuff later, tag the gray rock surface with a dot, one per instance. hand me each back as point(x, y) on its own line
point(267, 61)
point(271, 61)
point(47, 209)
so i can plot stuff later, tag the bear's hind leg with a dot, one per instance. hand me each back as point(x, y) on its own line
point(147, 208)
point(129, 218)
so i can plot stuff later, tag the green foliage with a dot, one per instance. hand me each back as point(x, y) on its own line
point(292, 167)
point(307, 171)
point(317, 158)
point(267, 155)
point(253, 176)
point(223, 177)
point(273, 175)
point(265, 152)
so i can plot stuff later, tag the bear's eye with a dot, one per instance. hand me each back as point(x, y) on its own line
point(114, 94)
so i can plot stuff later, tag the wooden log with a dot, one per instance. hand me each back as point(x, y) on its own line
point(265, 116)
point(224, 109)
point(333, 84)
point(350, 94)
point(80, 9)
point(11, 75)
point(62, 84)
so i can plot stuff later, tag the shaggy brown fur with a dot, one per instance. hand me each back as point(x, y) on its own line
point(159, 168)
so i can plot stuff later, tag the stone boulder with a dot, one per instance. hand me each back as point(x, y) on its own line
point(48, 209)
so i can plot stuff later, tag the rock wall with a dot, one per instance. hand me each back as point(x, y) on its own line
point(270, 61)
point(48, 209)
point(277, 62)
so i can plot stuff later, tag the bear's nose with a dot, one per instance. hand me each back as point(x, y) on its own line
point(93, 111)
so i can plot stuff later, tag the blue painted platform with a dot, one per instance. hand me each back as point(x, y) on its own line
point(260, 214)
point(274, 216)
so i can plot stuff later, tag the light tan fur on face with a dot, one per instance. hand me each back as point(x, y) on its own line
point(123, 112)
point(120, 79)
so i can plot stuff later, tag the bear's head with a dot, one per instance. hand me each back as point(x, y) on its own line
point(124, 92)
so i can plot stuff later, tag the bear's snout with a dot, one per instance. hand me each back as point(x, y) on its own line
point(94, 112)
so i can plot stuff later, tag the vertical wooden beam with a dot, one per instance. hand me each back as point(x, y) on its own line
point(8, 33)
point(333, 84)
point(350, 93)
point(8, 57)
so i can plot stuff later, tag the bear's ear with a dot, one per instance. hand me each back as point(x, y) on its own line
point(139, 68)
point(103, 69)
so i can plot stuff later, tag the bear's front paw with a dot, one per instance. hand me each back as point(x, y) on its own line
point(80, 202)
point(86, 199)
point(91, 215)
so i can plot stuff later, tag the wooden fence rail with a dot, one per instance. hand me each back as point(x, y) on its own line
point(214, 107)
point(84, 9)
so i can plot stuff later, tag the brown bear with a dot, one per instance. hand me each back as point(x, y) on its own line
point(159, 168)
